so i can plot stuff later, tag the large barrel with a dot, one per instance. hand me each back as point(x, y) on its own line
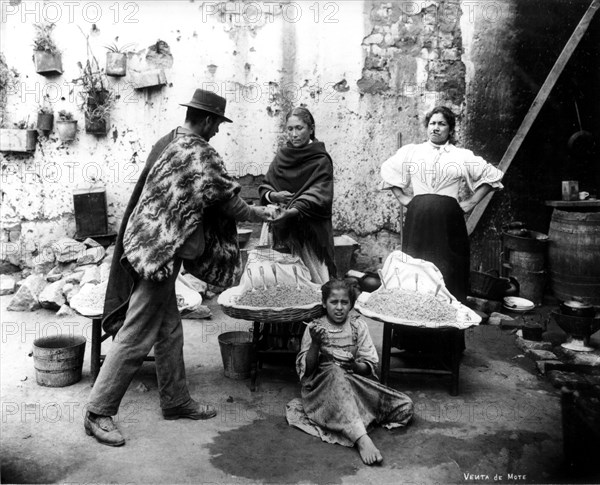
point(574, 255)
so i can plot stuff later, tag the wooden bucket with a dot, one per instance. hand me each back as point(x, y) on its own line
point(574, 255)
point(58, 360)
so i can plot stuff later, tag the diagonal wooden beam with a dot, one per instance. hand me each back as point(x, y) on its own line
point(536, 106)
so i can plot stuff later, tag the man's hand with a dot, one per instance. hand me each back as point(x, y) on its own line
point(267, 214)
point(284, 197)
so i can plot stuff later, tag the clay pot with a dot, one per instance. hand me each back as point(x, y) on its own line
point(577, 327)
point(577, 309)
point(532, 331)
point(369, 282)
point(67, 129)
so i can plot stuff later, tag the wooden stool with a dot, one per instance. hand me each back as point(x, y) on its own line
point(451, 338)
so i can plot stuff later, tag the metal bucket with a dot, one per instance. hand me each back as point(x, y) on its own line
point(531, 284)
point(58, 360)
point(236, 352)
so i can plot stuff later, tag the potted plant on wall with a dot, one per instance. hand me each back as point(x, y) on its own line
point(96, 99)
point(46, 55)
point(22, 138)
point(66, 126)
point(45, 117)
point(116, 60)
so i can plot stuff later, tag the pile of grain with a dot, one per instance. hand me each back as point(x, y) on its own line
point(279, 297)
point(410, 305)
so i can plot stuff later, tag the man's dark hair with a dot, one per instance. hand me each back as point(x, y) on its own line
point(194, 116)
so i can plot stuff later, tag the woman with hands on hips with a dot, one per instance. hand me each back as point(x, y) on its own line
point(340, 394)
point(435, 228)
point(300, 181)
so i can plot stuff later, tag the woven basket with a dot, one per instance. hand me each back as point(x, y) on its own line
point(270, 315)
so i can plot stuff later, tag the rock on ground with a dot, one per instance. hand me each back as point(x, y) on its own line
point(7, 284)
point(52, 296)
point(26, 299)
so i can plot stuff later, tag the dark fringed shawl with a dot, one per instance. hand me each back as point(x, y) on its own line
point(307, 172)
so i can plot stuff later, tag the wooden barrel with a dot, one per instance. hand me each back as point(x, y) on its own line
point(574, 255)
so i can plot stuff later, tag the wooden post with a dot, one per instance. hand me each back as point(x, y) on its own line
point(536, 106)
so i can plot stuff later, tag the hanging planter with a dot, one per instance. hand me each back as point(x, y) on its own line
point(116, 60)
point(116, 64)
point(46, 55)
point(17, 140)
point(45, 121)
point(45, 117)
point(96, 125)
point(149, 79)
point(96, 100)
point(66, 126)
point(98, 104)
point(47, 63)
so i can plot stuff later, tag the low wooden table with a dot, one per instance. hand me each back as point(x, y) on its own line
point(451, 339)
point(260, 352)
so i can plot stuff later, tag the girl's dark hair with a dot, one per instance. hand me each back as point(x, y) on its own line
point(448, 115)
point(347, 284)
point(305, 116)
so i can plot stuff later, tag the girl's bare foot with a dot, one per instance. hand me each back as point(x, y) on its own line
point(368, 451)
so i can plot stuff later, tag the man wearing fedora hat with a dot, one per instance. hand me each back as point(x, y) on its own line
point(183, 210)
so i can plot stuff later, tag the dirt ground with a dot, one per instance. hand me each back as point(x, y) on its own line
point(504, 427)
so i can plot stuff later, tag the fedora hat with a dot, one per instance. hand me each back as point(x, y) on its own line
point(208, 101)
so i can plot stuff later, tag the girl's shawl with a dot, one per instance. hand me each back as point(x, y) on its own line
point(184, 189)
point(307, 172)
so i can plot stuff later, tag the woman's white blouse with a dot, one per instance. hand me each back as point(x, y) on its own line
point(438, 170)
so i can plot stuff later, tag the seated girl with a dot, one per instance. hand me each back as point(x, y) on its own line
point(340, 395)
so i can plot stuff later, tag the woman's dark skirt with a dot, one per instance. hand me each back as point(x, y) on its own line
point(435, 230)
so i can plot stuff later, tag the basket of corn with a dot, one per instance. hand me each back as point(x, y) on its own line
point(276, 304)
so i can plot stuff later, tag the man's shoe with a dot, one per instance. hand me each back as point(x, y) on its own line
point(103, 429)
point(190, 410)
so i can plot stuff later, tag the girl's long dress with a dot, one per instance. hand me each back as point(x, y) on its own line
point(338, 405)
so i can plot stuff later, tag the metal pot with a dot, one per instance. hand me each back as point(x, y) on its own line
point(575, 308)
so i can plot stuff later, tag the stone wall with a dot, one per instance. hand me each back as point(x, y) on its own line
point(368, 70)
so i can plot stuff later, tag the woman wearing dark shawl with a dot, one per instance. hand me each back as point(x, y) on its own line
point(300, 179)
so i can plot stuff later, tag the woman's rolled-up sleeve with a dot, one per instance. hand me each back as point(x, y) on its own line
point(480, 172)
point(395, 171)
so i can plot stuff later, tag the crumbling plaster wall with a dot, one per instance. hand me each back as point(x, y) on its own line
point(367, 70)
